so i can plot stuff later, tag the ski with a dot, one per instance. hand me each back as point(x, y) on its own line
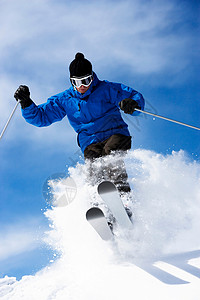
point(97, 220)
point(109, 194)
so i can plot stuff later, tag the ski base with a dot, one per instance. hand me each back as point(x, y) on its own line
point(110, 195)
point(98, 221)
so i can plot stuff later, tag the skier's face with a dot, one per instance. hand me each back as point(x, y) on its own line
point(82, 89)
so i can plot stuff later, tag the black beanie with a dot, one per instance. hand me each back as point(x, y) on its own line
point(80, 66)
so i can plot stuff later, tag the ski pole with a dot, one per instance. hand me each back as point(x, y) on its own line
point(11, 115)
point(168, 119)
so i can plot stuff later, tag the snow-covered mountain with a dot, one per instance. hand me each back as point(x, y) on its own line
point(158, 259)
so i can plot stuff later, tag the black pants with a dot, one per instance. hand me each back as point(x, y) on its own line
point(112, 169)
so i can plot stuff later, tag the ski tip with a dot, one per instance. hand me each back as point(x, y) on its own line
point(106, 187)
point(94, 212)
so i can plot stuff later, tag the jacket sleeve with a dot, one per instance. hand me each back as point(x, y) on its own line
point(45, 114)
point(122, 92)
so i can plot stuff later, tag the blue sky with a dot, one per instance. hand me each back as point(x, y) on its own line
point(152, 46)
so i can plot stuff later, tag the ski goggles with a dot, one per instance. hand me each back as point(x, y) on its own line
point(86, 81)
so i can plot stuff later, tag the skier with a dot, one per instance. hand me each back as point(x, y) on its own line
point(93, 109)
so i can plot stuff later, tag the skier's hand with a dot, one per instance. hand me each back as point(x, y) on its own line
point(128, 105)
point(22, 94)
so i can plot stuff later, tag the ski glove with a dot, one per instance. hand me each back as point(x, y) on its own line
point(128, 105)
point(22, 95)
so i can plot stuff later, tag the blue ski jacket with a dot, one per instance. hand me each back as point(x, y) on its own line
point(94, 115)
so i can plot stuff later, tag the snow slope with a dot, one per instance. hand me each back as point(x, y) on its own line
point(159, 259)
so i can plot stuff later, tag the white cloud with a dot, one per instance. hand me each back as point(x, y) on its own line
point(15, 243)
point(19, 238)
point(140, 34)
